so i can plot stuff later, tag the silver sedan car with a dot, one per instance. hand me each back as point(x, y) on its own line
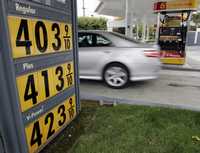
point(116, 59)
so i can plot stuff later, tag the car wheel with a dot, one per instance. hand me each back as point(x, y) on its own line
point(116, 76)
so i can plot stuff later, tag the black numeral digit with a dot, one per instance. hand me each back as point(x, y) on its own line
point(50, 118)
point(59, 72)
point(36, 137)
point(40, 26)
point(69, 80)
point(46, 82)
point(67, 44)
point(69, 68)
point(67, 31)
point(71, 109)
point(61, 111)
point(23, 30)
point(69, 76)
point(67, 38)
point(30, 91)
point(55, 27)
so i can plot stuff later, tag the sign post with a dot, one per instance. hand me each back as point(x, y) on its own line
point(39, 92)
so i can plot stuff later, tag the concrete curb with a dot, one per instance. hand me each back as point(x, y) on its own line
point(115, 101)
point(177, 68)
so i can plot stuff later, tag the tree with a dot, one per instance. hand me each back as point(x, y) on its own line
point(92, 23)
point(196, 19)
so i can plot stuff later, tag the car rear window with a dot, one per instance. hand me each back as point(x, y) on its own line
point(120, 42)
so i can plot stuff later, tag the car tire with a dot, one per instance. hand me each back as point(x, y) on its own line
point(116, 76)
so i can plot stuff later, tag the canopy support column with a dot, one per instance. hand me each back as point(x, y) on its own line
point(158, 27)
point(128, 20)
point(148, 32)
point(196, 36)
point(137, 31)
point(144, 31)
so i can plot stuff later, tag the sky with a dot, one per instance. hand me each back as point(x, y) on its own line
point(90, 6)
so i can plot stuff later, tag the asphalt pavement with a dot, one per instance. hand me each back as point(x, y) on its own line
point(180, 89)
point(193, 57)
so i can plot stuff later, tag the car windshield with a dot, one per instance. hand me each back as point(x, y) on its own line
point(122, 41)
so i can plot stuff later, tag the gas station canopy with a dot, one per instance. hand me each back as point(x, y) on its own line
point(132, 12)
point(138, 8)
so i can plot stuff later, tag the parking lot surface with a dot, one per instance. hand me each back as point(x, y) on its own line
point(193, 57)
point(180, 88)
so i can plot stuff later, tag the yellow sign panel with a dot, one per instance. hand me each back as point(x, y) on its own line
point(27, 89)
point(32, 37)
point(63, 78)
point(46, 84)
point(20, 37)
point(66, 33)
point(48, 125)
point(182, 5)
point(176, 61)
point(35, 88)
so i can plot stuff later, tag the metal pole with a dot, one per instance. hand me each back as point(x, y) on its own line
point(83, 7)
point(158, 27)
point(144, 31)
point(76, 58)
point(137, 37)
point(148, 32)
point(126, 18)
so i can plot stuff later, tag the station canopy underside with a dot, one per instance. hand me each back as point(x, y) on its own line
point(139, 9)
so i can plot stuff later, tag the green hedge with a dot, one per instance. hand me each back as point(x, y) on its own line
point(92, 23)
point(196, 19)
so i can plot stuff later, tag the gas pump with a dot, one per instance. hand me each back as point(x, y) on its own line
point(172, 30)
point(172, 37)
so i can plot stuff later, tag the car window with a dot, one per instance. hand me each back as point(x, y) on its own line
point(92, 40)
point(85, 40)
point(102, 41)
point(122, 41)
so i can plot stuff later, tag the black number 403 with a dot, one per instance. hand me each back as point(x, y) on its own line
point(41, 36)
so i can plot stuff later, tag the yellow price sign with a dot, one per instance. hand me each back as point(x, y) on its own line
point(35, 88)
point(66, 33)
point(48, 125)
point(32, 37)
point(182, 4)
point(64, 76)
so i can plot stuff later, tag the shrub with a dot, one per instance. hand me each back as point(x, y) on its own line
point(92, 23)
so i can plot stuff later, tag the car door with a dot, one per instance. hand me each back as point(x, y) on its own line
point(91, 54)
